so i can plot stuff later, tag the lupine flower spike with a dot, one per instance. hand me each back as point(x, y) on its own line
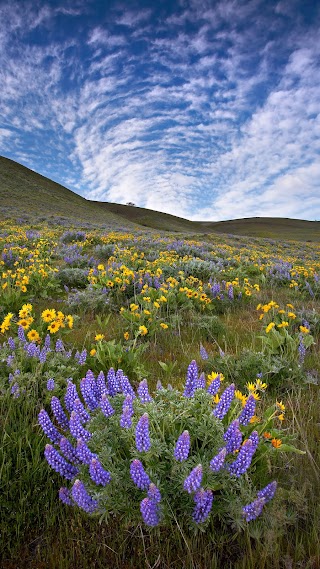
point(182, 448)
point(143, 443)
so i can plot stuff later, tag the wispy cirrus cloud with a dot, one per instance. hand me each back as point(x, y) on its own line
point(207, 111)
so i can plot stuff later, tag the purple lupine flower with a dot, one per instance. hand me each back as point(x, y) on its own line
point(64, 495)
point(233, 437)
point(106, 406)
point(248, 411)
point(203, 503)
point(112, 383)
point(50, 384)
point(17, 372)
point(43, 355)
point(126, 418)
point(201, 383)
point(226, 398)
point(76, 429)
point(92, 383)
point(254, 438)
point(159, 386)
point(268, 491)
point(142, 434)
point(182, 448)
point(203, 353)
point(79, 408)
point(214, 385)
point(230, 292)
point(101, 385)
point(82, 498)
point(59, 346)
point(215, 289)
point(10, 377)
point(70, 396)
point(301, 350)
point(243, 460)
point(15, 391)
point(253, 510)
point(84, 454)
point(193, 481)
point(218, 461)
point(11, 343)
point(221, 353)
point(154, 493)
point(21, 335)
point(139, 475)
point(59, 413)
point(68, 354)
point(143, 392)
point(47, 342)
point(150, 512)
point(88, 394)
point(68, 450)
point(59, 464)
point(98, 474)
point(191, 380)
point(125, 385)
point(10, 360)
point(48, 428)
point(82, 357)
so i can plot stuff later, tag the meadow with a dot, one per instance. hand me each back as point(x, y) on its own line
point(159, 398)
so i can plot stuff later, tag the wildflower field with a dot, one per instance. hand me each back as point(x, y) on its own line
point(159, 399)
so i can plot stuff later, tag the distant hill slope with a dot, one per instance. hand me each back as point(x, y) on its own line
point(25, 192)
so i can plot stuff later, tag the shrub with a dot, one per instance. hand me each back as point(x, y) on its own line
point(73, 277)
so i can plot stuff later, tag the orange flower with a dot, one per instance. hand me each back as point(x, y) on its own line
point(267, 435)
point(276, 443)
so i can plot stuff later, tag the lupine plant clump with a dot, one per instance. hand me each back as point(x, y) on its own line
point(172, 454)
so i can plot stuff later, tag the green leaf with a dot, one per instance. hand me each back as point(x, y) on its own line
point(291, 448)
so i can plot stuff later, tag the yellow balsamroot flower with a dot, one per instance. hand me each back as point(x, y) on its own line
point(23, 288)
point(143, 330)
point(134, 307)
point(147, 312)
point(261, 385)
point(250, 386)
point(163, 299)
point(48, 315)
point(70, 320)
point(290, 306)
point(126, 335)
point(99, 337)
point(255, 420)
point(283, 324)
point(280, 405)
point(291, 315)
point(304, 330)
point(33, 336)
point(281, 417)
point(4, 286)
point(269, 327)
point(100, 267)
point(93, 352)
point(276, 443)
point(25, 323)
point(147, 298)
point(213, 375)
point(164, 326)
point(216, 398)
point(156, 304)
point(256, 396)
point(281, 311)
point(54, 327)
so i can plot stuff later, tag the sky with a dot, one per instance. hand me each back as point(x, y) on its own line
point(205, 109)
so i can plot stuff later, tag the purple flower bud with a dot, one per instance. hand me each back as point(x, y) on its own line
point(47, 342)
point(98, 474)
point(154, 493)
point(84, 454)
point(182, 448)
point(82, 498)
point(78, 408)
point(233, 437)
point(112, 383)
point(125, 385)
point(268, 492)
point(243, 460)
point(50, 384)
point(253, 510)
point(59, 464)
point(21, 335)
point(101, 385)
point(218, 461)
point(126, 418)
point(248, 411)
point(191, 380)
point(106, 406)
point(142, 434)
point(48, 428)
point(214, 385)
point(68, 450)
point(143, 392)
point(64, 495)
point(88, 394)
point(203, 503)
point(150, 512)
point(76, 429)
point(70, 396)
point(11, 343)
point(139, 475)
point(193, 481)
point(203, 353)
point(223, 406)
point(59, 346)
point(59, 413)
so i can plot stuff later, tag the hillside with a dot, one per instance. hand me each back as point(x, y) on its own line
point(24, 192)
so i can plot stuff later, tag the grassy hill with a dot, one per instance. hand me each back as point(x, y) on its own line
point(25, 192)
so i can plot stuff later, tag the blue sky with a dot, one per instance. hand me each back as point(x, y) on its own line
point(205, 109)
